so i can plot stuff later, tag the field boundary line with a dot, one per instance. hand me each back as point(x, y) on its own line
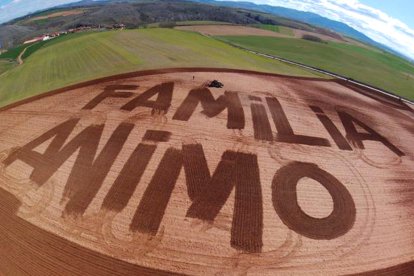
point(319, 70)
point(149, 72)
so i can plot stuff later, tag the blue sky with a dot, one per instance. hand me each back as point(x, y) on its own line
point(390, 22)
point(400, 9)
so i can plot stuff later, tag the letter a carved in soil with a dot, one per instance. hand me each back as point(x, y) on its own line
point(161, 105)
point(110, 92)
point(88, 172)
point(356, 137)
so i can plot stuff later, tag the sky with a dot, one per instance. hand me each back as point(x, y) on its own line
point(390, 22)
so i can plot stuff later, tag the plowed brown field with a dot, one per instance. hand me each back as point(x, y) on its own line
point(154, 172)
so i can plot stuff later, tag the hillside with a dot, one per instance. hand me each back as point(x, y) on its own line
point(84, 56)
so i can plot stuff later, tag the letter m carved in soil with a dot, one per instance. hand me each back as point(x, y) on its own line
point(212, 107)
point(210, 193)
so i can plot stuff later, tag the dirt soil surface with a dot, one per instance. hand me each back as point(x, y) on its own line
point(155, 173)
point(229, 30)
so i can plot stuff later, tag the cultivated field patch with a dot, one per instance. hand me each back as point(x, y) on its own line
point(155, 172)
point(6, 65)
point(217, 30)
point(57, 14)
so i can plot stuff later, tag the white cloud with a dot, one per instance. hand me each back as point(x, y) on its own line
point(372, 22)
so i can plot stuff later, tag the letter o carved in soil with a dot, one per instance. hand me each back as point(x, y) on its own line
point(284, 197)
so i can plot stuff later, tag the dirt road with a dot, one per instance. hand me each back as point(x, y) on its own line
point(20, 57)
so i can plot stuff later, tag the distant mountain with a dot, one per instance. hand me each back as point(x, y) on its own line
point(307, 17)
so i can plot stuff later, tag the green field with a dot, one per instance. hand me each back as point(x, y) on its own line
point(268, 27)
point(43, 44)
point(14, 52)
point(377, 68)
point(274, 28)
point(86, 56)
point(6, 65)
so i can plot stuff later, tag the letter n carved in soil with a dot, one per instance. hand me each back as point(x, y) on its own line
point(125, 184)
